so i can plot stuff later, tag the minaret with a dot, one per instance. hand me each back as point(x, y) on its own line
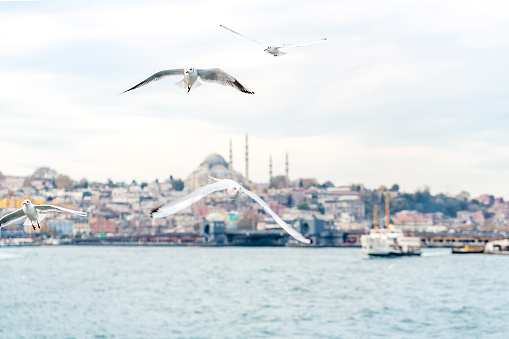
point(270, 169)
point(287, 177)
point(231, 155)
point(374, 219)
point(386, 209)
point(247, 162)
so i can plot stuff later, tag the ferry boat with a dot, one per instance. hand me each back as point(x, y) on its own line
point(389, 241)
point(468, 249)
point(500, 246)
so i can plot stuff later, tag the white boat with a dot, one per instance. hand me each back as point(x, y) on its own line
point(500, 246)
point(386, 242)
point(389, 241)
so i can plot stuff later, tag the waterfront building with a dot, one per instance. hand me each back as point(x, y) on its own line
point(347, 222)
point(213, 228)
point(232, 219)
point(102, 225)
point(81, 227)
point(63, 227)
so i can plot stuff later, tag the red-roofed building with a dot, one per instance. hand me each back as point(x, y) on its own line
point(485, 199)
point(412, 218)
point(102, 225)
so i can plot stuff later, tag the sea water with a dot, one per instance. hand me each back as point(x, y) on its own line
point(248, 292)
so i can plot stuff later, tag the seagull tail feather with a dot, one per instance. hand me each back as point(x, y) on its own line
point(181, 84)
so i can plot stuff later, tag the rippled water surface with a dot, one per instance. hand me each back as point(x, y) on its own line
point(231, 292)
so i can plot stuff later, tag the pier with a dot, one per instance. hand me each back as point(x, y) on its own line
point(218, 236)
point(140, 239)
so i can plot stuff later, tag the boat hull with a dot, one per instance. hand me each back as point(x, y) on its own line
point(393, 254)
point(468, 250)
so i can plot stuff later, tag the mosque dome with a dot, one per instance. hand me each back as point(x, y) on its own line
point(215, 166)
point(214, 160)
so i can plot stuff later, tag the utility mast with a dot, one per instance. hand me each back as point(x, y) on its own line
point(270, 169)
point(247, 161)
point(231, 155)
point(287, 177)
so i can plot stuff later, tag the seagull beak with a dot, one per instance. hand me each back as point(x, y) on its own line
point(265, 50)
point(187, 71)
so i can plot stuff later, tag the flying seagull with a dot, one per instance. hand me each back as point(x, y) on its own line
point(30, 211)
point(191, 75)
point(271, 49)
point(233, 191)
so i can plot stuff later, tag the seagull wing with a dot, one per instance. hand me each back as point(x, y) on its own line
point(158, 76)
point(289, 229)
point(11, 217)
point(301, 45)
point(52, 208)
point(179, 204)
point(219, 76)
point(241, 36)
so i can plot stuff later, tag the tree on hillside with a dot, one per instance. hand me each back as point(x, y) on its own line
point(421, 201)
point(356, 187)
point(308, 182)
point(463, 195)
point(327, 184)
point(321, 208)
point(63, 181)
point(303, 206)
point(451, 206)
point(178, 185)
point(248, 221)
point(83, 183)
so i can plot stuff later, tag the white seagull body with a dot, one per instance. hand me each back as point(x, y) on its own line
point(271, 49)
point(233, 191)
point(191, 75)
point(31, 211)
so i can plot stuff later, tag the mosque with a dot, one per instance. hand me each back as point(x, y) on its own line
point(215, 166)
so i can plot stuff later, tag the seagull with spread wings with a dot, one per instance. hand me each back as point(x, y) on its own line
point(31, 211)
point(233, 191)
point(191, 75)
point(271, 49)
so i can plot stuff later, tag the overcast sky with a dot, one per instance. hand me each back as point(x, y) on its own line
point(406, 92)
